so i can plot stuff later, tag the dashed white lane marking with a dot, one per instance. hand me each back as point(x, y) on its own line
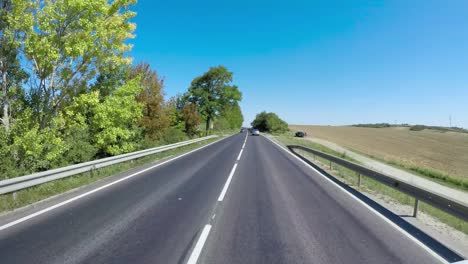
point(13, 223)
point(415, 240)
point(199, 246)
point(226, 185)
point(206, 230)
point(240, 154)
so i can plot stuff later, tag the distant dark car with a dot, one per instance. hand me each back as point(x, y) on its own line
point(242, 130)
point(301, 134)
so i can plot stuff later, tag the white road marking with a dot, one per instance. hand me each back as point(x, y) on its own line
point(226, 185)
point(206, 230)
point(240, 154)
point(199, 246)
point(422, 245)
point(13, 223)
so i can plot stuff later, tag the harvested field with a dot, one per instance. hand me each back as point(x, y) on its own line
point(446, 152)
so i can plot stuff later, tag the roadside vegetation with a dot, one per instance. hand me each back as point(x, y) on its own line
point(34, 194)
point(270, 123)
point(69, 92)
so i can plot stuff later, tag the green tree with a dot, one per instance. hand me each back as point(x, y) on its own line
point(112, 120)
point(15, 22)
point(212, 92)
point(72, 41)
point(173, 110)
point(269, 122)
point(33, 149)
point(233, 116)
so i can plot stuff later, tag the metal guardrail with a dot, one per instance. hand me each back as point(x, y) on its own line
point(23, 182)
point(448, 205)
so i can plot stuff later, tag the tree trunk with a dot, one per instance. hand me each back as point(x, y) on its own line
point(6, 117)
point(5, 103)
point(207, 125)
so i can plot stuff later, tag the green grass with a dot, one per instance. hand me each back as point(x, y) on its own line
point(43, 191)
point(371, 186)
point(435, 175)
point(438, 176)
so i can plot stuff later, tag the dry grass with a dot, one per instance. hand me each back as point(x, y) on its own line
point(445, 152)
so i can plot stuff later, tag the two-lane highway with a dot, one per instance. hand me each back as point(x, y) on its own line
point(154, 217)
point(235, 201)
point(280, 211)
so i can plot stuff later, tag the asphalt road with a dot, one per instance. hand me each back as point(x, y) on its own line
point(261, 206)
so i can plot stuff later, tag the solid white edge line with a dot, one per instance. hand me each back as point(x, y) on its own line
point(240, 154)
point(422, 245)
point(226, 185)
point(25, 218)
point(199, 246)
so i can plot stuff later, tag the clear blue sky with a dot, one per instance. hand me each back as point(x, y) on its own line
point(318, 62)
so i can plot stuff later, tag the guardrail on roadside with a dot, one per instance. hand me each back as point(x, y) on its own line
point(448, 205)
point(23, 182)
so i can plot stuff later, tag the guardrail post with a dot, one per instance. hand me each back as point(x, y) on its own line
point(416, 205)
point(330, 165)
point(92, 171)
point(359, 180)
point(15, 195)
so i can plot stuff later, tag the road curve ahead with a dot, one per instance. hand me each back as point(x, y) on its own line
point(240, 200)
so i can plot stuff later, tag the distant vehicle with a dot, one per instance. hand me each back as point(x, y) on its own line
point(255, 132)
point(301, 134)
point(242, 130)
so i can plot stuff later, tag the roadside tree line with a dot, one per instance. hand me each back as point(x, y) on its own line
point(269, 122)
point(69, 92)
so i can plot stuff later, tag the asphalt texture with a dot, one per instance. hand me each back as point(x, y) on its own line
point(275, 210)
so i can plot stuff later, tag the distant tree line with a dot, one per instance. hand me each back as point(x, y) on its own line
point(414, 127)
point(69, 93)
point(376, 125)
point(269, 122)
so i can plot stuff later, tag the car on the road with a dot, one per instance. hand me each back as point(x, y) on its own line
point(301, 134)
point(242, 130)
point(255, 132)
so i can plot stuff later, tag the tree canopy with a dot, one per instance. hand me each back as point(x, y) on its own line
point(69, 92)
point(269, 122)
point(212, 92)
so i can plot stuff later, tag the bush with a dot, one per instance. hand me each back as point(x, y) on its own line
point(79, 146)
point(221, 124)
point(417, 128)
point(173, 135)
point(269, 122)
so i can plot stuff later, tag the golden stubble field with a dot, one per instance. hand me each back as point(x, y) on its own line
point(446, 152)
